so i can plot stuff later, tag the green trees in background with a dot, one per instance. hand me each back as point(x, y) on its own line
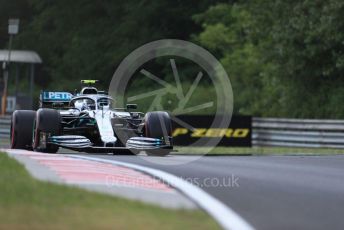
point(84, 39)
point(284, 58)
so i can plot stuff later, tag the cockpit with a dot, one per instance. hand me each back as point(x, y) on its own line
point(83, 104)
point(89, 103)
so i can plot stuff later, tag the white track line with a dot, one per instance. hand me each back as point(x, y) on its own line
point(225, 216)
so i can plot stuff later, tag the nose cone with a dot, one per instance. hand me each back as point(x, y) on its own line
point(108, 139)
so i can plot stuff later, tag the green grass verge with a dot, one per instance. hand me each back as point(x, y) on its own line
point(260, 151)
point(26, 203)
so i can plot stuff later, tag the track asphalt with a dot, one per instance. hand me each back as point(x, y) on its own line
point(269, 192)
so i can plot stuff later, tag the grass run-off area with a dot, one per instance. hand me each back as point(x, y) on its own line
point(26, 203)
point(258, 151)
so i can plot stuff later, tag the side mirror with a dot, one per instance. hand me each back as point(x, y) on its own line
point(131, 106)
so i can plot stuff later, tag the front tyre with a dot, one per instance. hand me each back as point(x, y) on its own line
point(158, 125)
point(47, 124)
point(21, 129)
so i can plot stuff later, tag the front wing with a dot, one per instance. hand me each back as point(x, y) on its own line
point(134, 144)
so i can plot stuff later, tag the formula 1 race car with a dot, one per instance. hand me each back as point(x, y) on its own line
point(87, 122)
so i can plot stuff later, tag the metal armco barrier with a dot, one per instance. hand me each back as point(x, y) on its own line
point(298, 132)
point(5, 125)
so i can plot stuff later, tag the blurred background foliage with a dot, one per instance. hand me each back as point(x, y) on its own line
point(284, 58)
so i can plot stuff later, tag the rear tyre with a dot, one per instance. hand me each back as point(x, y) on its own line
point(158, 125)
point(21, 129)
point(47, 124)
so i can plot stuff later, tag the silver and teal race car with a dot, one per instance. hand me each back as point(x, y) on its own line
point(88, 122)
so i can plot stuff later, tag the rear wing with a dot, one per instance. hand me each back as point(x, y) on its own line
point(48, 99)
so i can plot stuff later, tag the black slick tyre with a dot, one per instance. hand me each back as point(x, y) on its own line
point(21, 129)
point(158, 125)
point(47, 124)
